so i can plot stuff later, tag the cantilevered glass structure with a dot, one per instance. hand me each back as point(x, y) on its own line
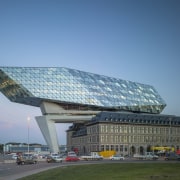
point(32, 85)
point(67, 96)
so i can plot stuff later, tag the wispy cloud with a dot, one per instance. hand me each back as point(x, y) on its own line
point(5, 125)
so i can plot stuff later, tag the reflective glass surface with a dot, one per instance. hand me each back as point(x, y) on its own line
point(31, 85)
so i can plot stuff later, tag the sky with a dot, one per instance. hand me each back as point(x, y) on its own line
point(136, 40)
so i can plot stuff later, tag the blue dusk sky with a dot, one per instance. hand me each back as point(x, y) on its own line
point(136, 40)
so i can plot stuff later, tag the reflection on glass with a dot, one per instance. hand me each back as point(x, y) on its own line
point(77, 87)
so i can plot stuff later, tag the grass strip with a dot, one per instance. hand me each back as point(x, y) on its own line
point(114, 171)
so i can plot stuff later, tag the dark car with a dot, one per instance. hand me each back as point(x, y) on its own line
point(25, 160)
point(172, 156)
point(71, 158)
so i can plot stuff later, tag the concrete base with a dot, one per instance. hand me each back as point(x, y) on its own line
point(47, 125)
point(53, 113)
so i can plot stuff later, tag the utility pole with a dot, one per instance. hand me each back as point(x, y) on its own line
point(28, 121)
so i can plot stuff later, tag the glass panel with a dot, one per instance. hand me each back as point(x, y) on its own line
point(63, 84)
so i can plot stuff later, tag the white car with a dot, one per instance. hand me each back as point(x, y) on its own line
point(116, 157)
point(14, 156)
point(57, 159)
point(54, 159)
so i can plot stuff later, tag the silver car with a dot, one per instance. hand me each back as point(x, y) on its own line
point(116, 157)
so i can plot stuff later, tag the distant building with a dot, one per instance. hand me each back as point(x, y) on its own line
point(23, 148)
point(34, 148)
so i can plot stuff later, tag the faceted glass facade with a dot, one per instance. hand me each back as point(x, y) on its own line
point(32, 85)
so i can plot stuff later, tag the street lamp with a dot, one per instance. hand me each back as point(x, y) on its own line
point(4, 149)
point(170, 132)
point(28, 121)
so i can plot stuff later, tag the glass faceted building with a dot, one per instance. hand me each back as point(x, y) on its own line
point(71, 96)
point(32, 85)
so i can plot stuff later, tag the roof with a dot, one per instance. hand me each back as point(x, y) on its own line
point(136, 118)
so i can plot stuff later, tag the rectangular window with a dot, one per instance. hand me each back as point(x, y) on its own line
point(117, 148)
point(121, 148)
point(125, 139)
point(116, 139)
point(125, 129)
point(106, 138)
point(120, 129)
point(116, 128)
point(97, 129)
point(135, 139)
point(102, 139)
point(106, 128)
point(120, 139)
point(112, 139)
point(112, 129)
point(125, 148)
point(135, 130)
point(102, 129)
point(102, 147)
point(107, 147)
point(143, 130)
point(146, 130)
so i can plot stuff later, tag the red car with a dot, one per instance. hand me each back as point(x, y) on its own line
point(72, 158)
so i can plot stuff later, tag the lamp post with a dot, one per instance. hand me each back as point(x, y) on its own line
point(4, 149)
point(28, 121)
point(170, 132)
point(153, 143)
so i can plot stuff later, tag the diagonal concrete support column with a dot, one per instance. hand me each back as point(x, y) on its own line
point(48, 130)
point(54, 113)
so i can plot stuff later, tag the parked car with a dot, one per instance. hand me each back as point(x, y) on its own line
point(51, 159)
point(71, 158)
point(92, 156)
point(71, 153)
point(14, 156)
point(116, 157)
point(172, 156)
point(25, 160)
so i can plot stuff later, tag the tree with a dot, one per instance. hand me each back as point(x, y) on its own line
point(1, 148)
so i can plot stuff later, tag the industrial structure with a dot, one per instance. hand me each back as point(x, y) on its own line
point(71, 96)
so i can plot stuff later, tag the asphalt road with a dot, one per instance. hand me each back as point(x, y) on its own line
point(12, 171)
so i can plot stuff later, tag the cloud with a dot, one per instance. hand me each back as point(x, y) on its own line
point(5, 125)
